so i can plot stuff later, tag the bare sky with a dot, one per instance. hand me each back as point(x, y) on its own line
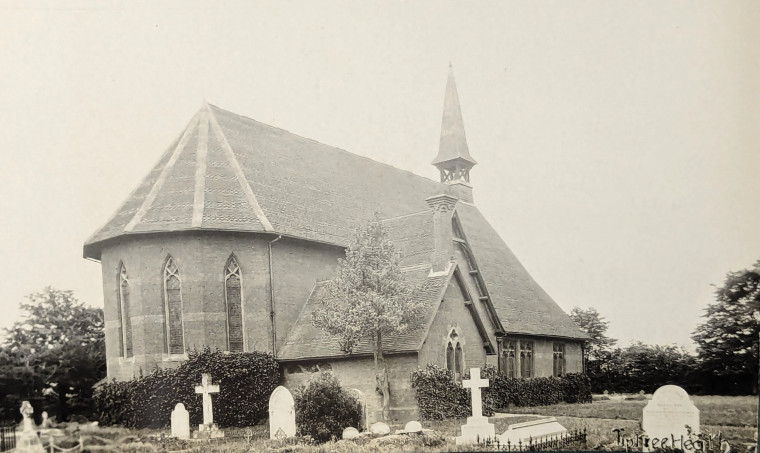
point(617, 140)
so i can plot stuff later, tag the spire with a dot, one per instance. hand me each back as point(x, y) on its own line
point(453, 159)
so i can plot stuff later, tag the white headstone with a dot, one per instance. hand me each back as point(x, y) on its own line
point(380, 428)
point(350, 433)
point(282, 413)
point(668, 413)
point(363, 425)
point(413, 427)
point(180, 422)
point(477, 428)
point(534, 429)
point(206, 389)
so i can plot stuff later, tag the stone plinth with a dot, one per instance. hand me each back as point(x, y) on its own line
point(476, 430)
point(535, 430)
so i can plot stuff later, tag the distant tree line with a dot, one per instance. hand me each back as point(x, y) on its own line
point(52, 357)
point(726, 362)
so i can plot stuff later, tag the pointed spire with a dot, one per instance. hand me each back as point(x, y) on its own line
point(453, 143)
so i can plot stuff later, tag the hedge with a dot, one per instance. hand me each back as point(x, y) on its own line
point(246, 380)
point(324, 408)
point(439, 397)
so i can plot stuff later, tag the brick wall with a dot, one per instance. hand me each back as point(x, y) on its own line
point(359, 373)
point(453, 313)
point(201, 258)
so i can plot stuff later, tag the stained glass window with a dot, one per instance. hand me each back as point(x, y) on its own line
point(233, 297)
point(173, 307)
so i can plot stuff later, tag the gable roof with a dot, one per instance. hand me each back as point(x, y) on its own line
point(304, 341)
point(523, 307)
point(227, 172)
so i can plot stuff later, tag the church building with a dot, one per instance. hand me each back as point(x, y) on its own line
point(230, 238)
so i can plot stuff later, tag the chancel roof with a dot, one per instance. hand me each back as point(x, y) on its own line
point(227, 172)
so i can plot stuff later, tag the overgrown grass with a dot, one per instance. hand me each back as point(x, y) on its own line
point(738, 411)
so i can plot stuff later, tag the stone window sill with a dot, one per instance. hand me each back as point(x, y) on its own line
point(174, 357)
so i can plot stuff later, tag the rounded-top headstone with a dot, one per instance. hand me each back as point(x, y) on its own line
point(350, 433)
point(413, 427)
point(380, 428)
point(669, 412)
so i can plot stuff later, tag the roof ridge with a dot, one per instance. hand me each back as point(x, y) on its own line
point(325, 144)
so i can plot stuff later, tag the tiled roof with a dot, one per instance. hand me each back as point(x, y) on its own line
point(308, 342)
point(522, 305)
point(231, 173)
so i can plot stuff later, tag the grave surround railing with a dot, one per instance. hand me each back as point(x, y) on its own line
point(7, 437)
point(575, 440)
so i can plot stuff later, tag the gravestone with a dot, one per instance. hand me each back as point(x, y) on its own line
point(363, 424)
point(350, 433)
point(667, 414)
point(208, 428)
point(380, 429)
point(180, 422)
point(534, 429)
point(413, 427)
point(477, 428)
point(27, 440)
point(282, 413)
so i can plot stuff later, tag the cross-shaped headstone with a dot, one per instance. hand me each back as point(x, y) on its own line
point(474, 384)
point(207, 389)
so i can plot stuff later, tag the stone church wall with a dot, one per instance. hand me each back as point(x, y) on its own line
point(359, 373)
point(453, 314)
point(201, 258)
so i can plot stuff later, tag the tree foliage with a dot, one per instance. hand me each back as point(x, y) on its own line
point(53, 355)
point(369, 298)
point(324, 408)
point(592, 323)
point(728, 339)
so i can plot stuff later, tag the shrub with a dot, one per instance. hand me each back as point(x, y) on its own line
point(246, 380)
point(324, 409)
point(439, 397)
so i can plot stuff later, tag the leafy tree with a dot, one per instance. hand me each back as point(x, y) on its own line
point(57, 349)
point(324, 409)
point(369, 299)
point(728, 340)
point(592, 323)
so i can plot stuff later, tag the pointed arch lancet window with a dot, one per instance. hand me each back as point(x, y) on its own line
point(233, 285)
point(454, 355)
point(125, 329)
point(173, 308)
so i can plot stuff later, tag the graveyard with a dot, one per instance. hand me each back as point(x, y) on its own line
point(669, 419)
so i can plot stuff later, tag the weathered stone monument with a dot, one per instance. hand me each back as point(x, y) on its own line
point(477, 428)
point(363, 423)
point(350, 433)
point(380, 429)
point(668, 413)
point(413, 427)
point(282, 413)
point(532, 430)
point(208, 428)
point(27, 440)
point(180, 422)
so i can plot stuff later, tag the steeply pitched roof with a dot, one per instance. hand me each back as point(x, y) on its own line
point(231, 173)
point(453, 143)
point(308, 342)
point(521, 304)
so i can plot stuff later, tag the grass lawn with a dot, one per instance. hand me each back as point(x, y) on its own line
point(740, 411)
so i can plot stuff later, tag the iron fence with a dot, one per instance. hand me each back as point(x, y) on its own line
point(7, 437)
point(572, 440)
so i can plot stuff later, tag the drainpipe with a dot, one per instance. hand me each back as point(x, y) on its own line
point(271, 297)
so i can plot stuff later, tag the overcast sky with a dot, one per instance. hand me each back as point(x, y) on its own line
point(617, 141)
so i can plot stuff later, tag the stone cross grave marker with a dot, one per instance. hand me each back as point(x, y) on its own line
point(282, 413)
point(206, 389)
point(477, 428)
point(27, 440)
point(180, 422)
point(667, 414)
